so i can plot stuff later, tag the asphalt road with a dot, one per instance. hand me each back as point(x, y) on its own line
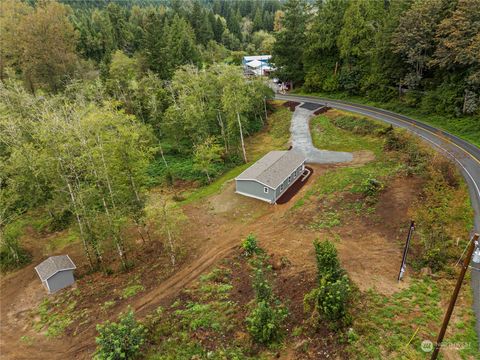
point(465, 154)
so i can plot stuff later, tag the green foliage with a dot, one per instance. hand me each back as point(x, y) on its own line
point(122, 340)
point(56, 315)
point(358, 125)
point(12, 255)
point(333, 294)
point(197, 316)
point(93, 167)
point(290, 40)
point(250, 245)
point(132, 290)
point(326, 220)
point(206, 155)
point(265, 320)
point(328, 265)
point(333, 298)
point(414, 53)
point(441, 215)
point(421, 303)
point(264, 323)
point(371, 188)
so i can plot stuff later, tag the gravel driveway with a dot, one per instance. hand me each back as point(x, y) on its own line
point(302, 140)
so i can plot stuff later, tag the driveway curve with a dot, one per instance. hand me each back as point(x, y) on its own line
point(465, 154)
point(302, 140)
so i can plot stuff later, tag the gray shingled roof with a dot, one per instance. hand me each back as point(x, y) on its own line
point(273, 168)
point(54, 264)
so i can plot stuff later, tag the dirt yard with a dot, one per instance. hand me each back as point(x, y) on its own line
point(371, 255)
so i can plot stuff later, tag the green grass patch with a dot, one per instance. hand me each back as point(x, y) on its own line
point(326, 220)
point(59, 242)
point(133, 288)
point(350, 133)
point(215, 186)
point(326, 135)
point(54, 316)
point(279, 122)
point(387, 324)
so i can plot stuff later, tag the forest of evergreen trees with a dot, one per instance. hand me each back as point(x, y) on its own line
point(426, 51)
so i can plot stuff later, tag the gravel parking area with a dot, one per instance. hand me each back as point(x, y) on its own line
point(302, 140)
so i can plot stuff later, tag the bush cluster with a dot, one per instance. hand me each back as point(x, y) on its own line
point(359, 126)
point(12, 255)
point(331, 297)
point(122, 340)
point(265, 320)
point(371, 187)
point(250, 246)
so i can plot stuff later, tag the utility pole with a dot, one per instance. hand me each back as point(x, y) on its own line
point(403, 266)
point(453, 300)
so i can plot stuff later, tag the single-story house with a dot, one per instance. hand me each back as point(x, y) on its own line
point(257, 65)
point(56, 272)
point(271, 176)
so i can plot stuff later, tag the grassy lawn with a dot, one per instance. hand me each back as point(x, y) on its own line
point(395, 327)
point(326, 135)
point(467, 128)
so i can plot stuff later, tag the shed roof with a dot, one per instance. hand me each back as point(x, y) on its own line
point(54, 264)
point(272, 169)
point(256, 57)
point(254, 64)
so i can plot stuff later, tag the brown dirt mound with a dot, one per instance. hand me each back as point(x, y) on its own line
point(291, 105)
point(322, 110)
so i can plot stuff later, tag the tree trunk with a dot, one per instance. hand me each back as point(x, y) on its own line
point(241, 138)
point(222, 129)
point(80, 224)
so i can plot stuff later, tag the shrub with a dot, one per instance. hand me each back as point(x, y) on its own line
point(394, 141)
point(265, 322)
point(447, 170)
point(12, 255)
point(261, 286)
point(333, 297)
point(327, 260)
point(371, 187)
point(121, 340)
point(250, 245)
point(330, 298)
point(360, 126)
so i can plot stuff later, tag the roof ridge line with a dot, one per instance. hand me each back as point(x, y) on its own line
point(282, 151)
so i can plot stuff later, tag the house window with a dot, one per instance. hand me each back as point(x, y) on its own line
point(265, 190)
point(281, 187)
point(289, 179)
point(295, 174)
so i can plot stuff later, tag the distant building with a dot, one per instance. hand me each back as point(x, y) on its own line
point(257, 65)
point(56, 272)
point(271, 176)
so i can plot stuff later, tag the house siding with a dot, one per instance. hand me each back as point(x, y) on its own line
point(254, 189)
point(60, 280)
point(286, 183)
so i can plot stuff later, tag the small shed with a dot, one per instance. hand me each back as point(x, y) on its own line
point(56, 272)
point(271, 176)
